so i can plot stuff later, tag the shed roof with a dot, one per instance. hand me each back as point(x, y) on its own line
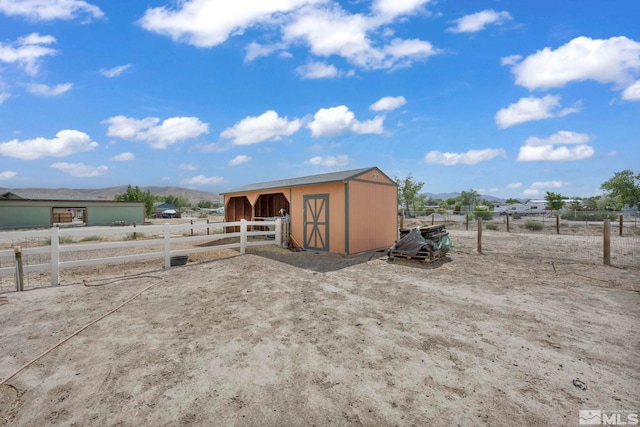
point(304, 180)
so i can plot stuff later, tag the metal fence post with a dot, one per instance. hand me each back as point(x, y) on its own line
point(243, 235)
point(479, 235)
point(167, 245)
point(607, 242)
point(621, 224)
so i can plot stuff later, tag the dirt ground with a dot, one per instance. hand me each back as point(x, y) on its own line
point(281, 338)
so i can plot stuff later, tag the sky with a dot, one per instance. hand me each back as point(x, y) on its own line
point(507, 98)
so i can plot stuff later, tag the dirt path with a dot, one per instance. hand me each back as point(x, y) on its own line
point(281, 338)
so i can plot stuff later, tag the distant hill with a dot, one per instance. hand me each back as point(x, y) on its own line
point(109, 193)
point(445, 196)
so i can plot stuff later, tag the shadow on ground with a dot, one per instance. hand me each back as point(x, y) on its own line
point(321, 262)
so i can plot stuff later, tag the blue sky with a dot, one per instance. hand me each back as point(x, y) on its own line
point(509, 98)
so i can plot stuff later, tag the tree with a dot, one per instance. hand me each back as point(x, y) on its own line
point(470, 198)
point(408, 191)
point(205, 204)
point(554, 200)
point(512, 201)
point(137, 195)
point(625, 187)
point(575, 205)
point(177, 201)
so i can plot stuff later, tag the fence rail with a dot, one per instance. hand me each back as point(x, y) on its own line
point(167, 239)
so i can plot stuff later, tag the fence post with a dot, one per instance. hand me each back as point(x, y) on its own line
point(19, 271)
point(207, 226)
point(479, 235)
point(607, 242)
point(279, 231)
point(55, 256)
point(557, 224)
point(167, 245)
point(433, 218)
point(134, 233)
point(507, 223)
point(243, 236)
point(192, 228)
point(621, 224)
point(467, 222)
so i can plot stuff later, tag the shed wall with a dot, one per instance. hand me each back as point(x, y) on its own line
point(373, 216)
point(336, 193)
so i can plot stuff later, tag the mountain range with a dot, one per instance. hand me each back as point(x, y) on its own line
point(194, 196)
point(109, 193)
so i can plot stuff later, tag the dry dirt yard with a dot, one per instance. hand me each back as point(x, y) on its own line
point(279, 338)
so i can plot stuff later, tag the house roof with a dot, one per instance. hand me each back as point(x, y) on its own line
point(304, 180)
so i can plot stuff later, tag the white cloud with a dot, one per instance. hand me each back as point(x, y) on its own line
point(341, 160)
point(339, 120)
point(27, 52)
point(478, 21)
point(7, 175)
point(547, 184)
point(615, 60)
point(66, 143)
point(80, 169)
point(169, 132)
point(560, 137)
point(123, 157)
point(548, 152)
point(45, 10)
point(115, 71)
point(471, 157)
point(267, 126)
point(571, 146)
point(4, 96)
point(394, 8)
point(514, 185)
point(207, 23)
point(188, 167)
point(317, 70)
point(45, 90)
point(531, 192)
point(238, 160)
point(388, 103)
point(631, 93)
point(510, 60)
point(531, 108)
point(203, 180)
point(358, 38)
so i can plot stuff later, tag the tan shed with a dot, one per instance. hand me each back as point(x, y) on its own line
point(342, 212)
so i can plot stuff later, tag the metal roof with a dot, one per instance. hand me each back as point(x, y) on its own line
point(304, 180)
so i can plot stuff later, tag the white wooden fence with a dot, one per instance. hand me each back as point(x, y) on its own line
point(166, 241)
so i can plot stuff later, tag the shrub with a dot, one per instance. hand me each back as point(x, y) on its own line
point(589, 216)
point(485, 215)
point(491, 226)
point(517, 216)
point(91, 238)
point(533, 225)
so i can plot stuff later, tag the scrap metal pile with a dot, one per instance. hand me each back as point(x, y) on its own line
point(427, 244)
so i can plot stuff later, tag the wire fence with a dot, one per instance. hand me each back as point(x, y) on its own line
point(543, 236)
